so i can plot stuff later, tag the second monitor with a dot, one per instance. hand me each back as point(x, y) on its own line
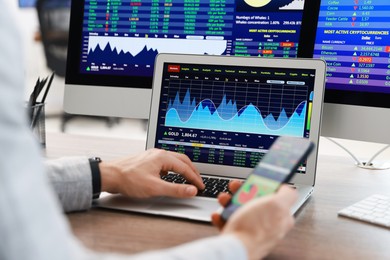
point(113, 44)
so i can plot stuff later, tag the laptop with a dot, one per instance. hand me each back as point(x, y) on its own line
point(224, 113)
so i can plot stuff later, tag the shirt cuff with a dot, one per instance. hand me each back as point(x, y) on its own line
point(72, 181)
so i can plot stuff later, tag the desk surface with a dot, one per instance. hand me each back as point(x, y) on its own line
point(318, 234)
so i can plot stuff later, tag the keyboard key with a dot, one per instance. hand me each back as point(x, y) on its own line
point(213, 185)
point(374, 209)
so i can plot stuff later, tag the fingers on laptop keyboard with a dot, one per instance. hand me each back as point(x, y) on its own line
point(213, 185)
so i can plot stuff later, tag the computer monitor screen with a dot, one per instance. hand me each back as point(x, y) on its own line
point(26, 3)
point(230, 115)
point(113, 44)
point(353, 37)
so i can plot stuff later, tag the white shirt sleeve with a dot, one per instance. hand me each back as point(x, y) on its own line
point(32, 225)
point(71, 179)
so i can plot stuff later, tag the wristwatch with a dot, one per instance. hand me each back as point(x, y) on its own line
point(96, 178)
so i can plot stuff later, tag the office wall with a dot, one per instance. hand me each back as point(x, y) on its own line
point(35, 63)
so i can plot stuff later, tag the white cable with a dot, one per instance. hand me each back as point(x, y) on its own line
point(345, 149)
point(375, 155)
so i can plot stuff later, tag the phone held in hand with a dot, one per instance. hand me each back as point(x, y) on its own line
point(277, 166)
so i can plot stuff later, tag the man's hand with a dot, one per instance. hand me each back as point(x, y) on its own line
point(140, 176)
point(261, 223)
point(224, 199)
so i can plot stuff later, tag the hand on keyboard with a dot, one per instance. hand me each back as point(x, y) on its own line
point(213, 185)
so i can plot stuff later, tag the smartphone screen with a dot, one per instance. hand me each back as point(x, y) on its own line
point(277, 166)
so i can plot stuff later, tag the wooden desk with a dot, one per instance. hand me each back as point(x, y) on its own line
point(319, 233)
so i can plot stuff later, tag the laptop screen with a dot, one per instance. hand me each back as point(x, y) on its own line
point(230, 115)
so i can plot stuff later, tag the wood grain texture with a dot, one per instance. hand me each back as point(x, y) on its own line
point(318, 234)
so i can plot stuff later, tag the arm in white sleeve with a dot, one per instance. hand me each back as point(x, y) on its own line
point(32, 225)
point(221, 247)
point(72, 181)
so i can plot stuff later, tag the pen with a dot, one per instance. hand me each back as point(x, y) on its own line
point(32, 99)
point(35, 119)
point(48, 87)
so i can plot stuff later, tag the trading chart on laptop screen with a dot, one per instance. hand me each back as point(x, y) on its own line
point(231, 115)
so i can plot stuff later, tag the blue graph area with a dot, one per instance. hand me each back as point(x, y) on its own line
point(206, 115)
point(102, 55)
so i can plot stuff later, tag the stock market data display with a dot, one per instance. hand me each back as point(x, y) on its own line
point(122, 37)
point(231, 115)
point(353, 38)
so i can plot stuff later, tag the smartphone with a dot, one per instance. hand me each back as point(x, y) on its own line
point(277, 166)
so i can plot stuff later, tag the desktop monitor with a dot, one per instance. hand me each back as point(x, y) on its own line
point(353, 37)
point(113, 43)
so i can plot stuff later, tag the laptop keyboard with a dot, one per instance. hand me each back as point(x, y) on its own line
point(213, 185)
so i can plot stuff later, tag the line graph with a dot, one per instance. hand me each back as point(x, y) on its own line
point(135, 45)
point(257, 108)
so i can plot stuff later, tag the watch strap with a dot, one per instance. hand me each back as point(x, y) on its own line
point(96, 178)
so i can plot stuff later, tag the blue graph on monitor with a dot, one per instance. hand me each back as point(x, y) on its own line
point(206, 115)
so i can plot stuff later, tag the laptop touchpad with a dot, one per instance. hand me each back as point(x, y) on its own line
point(194, 208)
point(197, 208)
